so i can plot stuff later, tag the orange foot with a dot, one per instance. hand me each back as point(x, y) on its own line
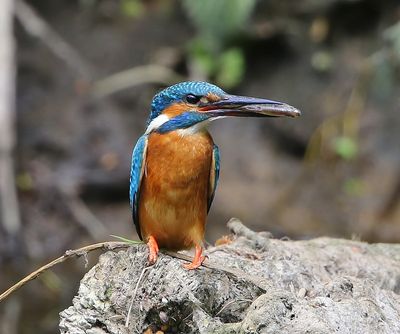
point(153, 249)
point(197, 261)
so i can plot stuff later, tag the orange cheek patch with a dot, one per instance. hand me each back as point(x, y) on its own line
point(211, 97)
point(179, 108)
point(176, 109)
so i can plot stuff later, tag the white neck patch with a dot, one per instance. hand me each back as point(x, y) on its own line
point(191, 130)
point(161, 119)
point(156, 123)
point(197, 127)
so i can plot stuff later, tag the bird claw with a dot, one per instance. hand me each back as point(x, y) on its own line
point(195, 264)
point(152, 257)
point(197, 260)
point(153, 250)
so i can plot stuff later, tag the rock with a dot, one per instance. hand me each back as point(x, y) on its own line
point(254, 285)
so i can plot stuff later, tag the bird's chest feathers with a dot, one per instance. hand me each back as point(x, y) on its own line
point(175, 161)
point(174, 189)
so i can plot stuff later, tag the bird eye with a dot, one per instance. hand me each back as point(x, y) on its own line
point(192, 99)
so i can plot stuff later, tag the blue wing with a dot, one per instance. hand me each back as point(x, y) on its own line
point(137, 170)
point(214, 175)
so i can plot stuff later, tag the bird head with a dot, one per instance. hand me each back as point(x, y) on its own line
point(193, 103)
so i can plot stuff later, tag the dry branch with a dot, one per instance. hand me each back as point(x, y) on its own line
point(36, 26)
point(110, 245)
point(135, 76)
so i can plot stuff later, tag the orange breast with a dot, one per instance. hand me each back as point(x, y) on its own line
point(174, 189)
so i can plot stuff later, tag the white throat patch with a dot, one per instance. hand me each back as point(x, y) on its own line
point(191, 130)
point(156, 123)
point(197, 127)
point(161, 119)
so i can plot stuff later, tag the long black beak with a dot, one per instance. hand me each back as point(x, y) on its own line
point(243, 106)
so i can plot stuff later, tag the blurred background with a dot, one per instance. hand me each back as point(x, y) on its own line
point(86, 72)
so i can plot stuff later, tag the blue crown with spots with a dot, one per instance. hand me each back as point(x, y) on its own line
point(177, 92)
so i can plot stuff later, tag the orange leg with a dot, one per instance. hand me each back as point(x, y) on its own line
point(197, 260)
point(153, 249)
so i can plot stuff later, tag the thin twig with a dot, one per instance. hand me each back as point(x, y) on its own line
point(232, 302)
point(81, 212)
point(36, 26)
point(109, 245)
point(134, 294)
point(133, 77)
point(85, 217)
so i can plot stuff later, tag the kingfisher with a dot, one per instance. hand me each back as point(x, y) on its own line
point(175, 163)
